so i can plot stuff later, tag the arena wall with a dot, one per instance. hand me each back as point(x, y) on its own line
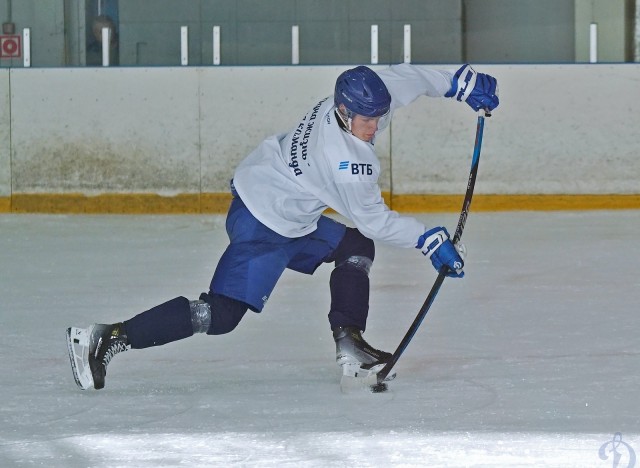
point(166, 139)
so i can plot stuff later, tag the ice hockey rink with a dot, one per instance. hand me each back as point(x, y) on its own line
point(531, 360)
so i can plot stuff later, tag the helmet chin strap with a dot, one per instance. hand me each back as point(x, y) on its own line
point(345, 120)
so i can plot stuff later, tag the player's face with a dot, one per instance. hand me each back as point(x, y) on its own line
point(363, 127)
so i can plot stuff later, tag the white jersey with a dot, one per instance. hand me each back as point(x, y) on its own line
point(289, 180)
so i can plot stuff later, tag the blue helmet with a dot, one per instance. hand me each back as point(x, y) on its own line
point(362, 92)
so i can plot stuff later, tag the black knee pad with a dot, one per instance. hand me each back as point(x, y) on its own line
point(354, 244)
point(226, 313)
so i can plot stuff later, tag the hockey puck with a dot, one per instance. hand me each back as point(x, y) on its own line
point(379, 388)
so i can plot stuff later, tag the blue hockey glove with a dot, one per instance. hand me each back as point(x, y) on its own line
point(479, 90)
point(445, 257)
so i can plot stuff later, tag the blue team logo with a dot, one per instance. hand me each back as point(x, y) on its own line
point(356, 168)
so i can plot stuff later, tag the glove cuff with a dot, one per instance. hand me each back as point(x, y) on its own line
point(463, 83)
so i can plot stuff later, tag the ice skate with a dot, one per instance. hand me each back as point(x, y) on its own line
point(357, 357)
point(90, 351)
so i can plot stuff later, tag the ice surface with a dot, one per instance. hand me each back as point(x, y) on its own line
point(531, 360)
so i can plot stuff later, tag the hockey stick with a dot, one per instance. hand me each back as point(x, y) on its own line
point(380, 386)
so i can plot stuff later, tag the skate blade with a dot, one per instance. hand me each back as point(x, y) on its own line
point(350, 385)
point(78, 347)
point(355, 379)
point(355, 370)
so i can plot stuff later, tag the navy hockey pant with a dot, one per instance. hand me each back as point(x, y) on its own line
point(249, 270)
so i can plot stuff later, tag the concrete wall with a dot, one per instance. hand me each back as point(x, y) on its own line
point(46, 19)
point(568, 129)
point(259, 33)
point(615, 20)
point(331, 31)
point(105, 130)
point(523, 31)
point(560, 129)
point(5, 140)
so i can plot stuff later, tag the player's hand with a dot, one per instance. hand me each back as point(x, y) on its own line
point(479, 90)
point(445, 257)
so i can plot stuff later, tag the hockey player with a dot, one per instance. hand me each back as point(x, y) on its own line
point(275, 221)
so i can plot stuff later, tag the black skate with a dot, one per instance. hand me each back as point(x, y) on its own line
point(90, 351)
point(357, 357)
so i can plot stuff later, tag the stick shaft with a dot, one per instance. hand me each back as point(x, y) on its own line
point(473, 173)
point(466, 204)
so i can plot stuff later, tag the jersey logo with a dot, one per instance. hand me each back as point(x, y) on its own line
point(356, 168)
point(359, 168)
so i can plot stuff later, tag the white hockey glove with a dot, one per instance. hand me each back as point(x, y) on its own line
point(479, 90)
point(445, 257)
